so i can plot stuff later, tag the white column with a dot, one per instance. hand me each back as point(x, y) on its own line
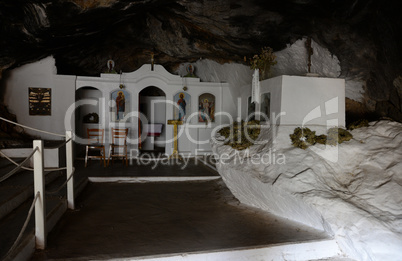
point(40, 205)
point(69, 161)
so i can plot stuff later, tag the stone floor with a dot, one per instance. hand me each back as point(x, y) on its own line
point(117, 220)
point(148, 167)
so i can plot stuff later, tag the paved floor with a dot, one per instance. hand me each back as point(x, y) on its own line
point(147, 167)
point(116, 220)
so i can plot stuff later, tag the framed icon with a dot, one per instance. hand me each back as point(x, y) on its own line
point(120, 105)
point(183, 102)
point(40, 101)
point(206, 108)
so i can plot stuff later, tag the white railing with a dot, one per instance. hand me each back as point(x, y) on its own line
point(39, 187)
point(39, 201)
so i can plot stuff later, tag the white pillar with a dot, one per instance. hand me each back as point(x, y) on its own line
point(238, 119)
point(39, 186)
point(69, 161)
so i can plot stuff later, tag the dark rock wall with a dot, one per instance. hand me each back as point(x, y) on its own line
point(82, 35)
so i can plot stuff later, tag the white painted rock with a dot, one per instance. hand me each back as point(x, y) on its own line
point(357, 198)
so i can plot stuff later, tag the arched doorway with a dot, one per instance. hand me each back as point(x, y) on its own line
point(87, 115)
point(152, 104)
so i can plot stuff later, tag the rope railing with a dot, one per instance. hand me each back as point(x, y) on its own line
point(34, 129)
point(24, 226)
point(62, 186)
point(58, 146)
point(39, 203)
point(27, 168)
point(15, 163)
point(18, 167)
point(47, 132)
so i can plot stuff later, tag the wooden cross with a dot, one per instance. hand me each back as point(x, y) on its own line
point(310, 53)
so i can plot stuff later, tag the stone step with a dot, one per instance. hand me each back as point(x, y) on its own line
point(17, 196)
point(18, 188)
point(296, 252)
point(302, 251)
point(11, 225)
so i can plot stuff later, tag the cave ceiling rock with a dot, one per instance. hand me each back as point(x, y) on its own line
point(83, 34)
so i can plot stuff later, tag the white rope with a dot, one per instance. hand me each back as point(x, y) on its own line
point(15, 163)
point(30, 169)
point(24, 226)
point(55, 169)
point(58, 146)
point(51, 133)
point(18, 167)
point(57, 190)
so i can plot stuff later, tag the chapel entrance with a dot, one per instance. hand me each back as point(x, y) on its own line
point(152, 104)
point(87, 114)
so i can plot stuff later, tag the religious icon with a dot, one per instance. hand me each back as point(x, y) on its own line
point(39, 101)
point(265, 106)
point(119, 104)
point(190, 71)
point(110, 66)
point(206, 108)
point(251, 110)
point(182, 99)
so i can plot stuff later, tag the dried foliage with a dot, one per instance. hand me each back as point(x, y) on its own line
point(321, 139)
point(338, 135)
point(264, 61)
point(241, 135)
point(304, 137)
point(358, 124)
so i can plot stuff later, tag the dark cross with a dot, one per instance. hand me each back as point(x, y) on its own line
point(310, 53)
point(152, 61)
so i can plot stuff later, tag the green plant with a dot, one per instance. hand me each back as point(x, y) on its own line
point(263, 61)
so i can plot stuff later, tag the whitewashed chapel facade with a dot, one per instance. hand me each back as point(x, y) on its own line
point(155, 108)
point(288, 100)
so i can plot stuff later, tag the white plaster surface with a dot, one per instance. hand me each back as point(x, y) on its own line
point(293, 60)
point(41, 74)
point(44, 74)
point(357, 198)
point(303, 101)
point(237, 75)
point(312, 100)
point(170, 84)
point(354, 89)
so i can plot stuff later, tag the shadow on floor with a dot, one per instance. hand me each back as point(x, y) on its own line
point(129, 220)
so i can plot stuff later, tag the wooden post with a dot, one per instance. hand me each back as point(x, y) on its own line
point(39, 186)
point(70, 167)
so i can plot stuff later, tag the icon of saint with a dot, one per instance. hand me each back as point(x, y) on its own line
point(120, 105)
point(182, 106)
